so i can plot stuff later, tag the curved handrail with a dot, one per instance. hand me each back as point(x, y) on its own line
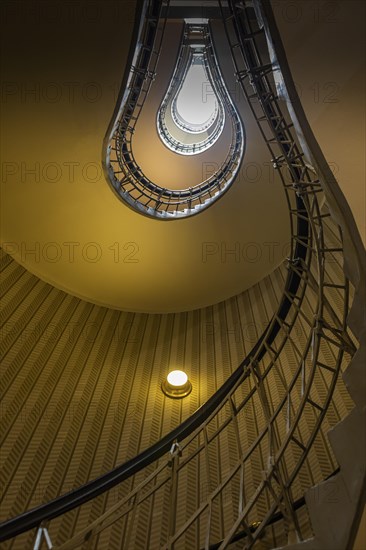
point(178, 85)
point(307, 211)
point(73, 499)
point(274, 519)
point(208, 133)
point(94, 488)
point(64, 503)
point(122, 170)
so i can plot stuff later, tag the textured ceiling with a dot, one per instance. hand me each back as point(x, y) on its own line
point(61, 219)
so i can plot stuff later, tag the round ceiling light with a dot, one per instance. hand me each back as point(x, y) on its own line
point(176, 385)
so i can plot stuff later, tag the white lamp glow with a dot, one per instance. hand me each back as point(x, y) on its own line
point(177, 378)
point(176, 384)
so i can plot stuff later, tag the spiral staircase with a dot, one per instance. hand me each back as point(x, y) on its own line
point(272, 492)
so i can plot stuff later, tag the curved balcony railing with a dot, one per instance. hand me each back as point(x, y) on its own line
point(205, 135)
point(210, 134)
point(122, 170)
point(270, 439)
point(184, 62)
point(177, 85)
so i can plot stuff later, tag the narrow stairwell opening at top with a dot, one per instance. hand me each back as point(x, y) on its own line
point(192, 116)
point(192, 110)
point(196, 104)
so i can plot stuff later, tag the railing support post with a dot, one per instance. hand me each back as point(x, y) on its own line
point(42, 533)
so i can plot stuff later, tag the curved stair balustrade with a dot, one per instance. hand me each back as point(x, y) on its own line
point(193, 139)
point(274, 442)
point(122, 170)
point(247, 25)
point(294, 288)
point(275, 518)
point(293, 295)
point(182, 68)
point(282, 436)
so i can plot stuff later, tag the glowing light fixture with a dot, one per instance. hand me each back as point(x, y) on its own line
point(177, 384)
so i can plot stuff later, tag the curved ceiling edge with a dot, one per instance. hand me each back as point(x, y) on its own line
point(48, 280)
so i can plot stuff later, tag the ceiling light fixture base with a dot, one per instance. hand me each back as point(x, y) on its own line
point(176, 385)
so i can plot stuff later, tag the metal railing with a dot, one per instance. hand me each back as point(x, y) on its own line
point(281, 437)
point(270, 440)
point(124, 173)
point(206, 134)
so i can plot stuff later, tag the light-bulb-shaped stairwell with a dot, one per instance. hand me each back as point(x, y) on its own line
point(274, 457)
